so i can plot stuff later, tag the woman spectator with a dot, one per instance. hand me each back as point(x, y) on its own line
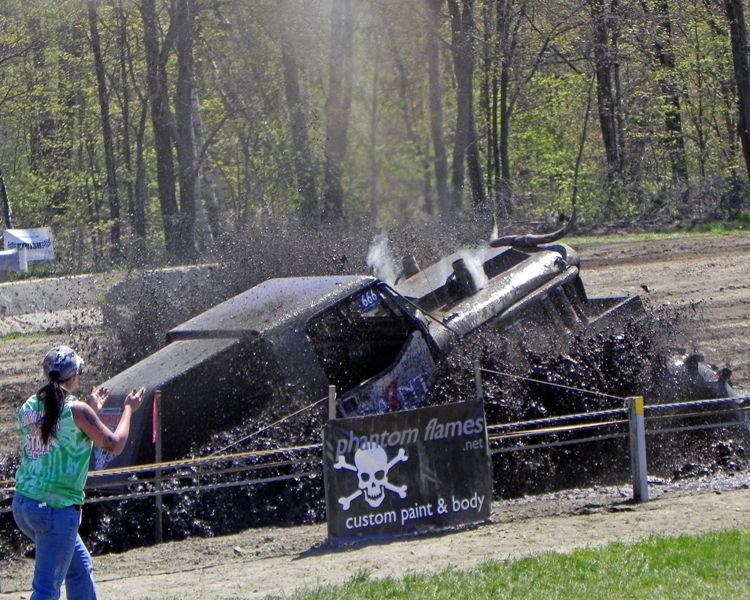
point(57, 434)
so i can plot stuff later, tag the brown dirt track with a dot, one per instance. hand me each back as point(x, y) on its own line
point(707, 277)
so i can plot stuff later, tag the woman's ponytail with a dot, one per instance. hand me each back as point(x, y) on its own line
point(53, 396)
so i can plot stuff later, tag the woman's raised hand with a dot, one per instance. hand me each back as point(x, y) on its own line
point(135, 398)
point(97, 398)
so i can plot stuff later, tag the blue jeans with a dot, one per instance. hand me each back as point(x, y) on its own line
point(60, 553)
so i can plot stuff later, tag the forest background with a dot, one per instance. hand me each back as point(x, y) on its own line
point(151, 132)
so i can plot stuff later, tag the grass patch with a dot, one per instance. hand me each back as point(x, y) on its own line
point(15, 336)
point(707, 230)
point(707, 567)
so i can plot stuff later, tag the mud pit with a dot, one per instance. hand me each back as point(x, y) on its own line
point(704, 277)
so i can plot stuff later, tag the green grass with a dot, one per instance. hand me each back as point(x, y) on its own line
point(706, 230)
point(707, 566)
point(15, 336)
point(738, 226)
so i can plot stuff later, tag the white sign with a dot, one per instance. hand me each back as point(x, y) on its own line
point(38, 242)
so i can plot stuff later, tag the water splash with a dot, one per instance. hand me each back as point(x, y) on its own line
point(473, 261)
point(380, 260)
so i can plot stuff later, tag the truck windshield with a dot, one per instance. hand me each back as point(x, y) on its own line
point(359, 337)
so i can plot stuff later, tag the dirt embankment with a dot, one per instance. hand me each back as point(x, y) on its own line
point(705, 277)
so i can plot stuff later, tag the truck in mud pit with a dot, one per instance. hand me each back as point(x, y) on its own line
point(285, 341)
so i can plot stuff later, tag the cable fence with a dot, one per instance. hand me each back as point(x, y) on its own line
point(633, 420)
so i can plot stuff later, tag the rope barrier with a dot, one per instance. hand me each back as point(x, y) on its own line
point(695, 427)
point(212, 459)
point(200, 488)
point(557, 385)
point(197, 474)
point(496, 433)
point(559, 419)
point(709, 401)
point(553, 430)
point(696, 414)
point(199, 461)
point(184, 490)
point(560, 443)
point(267, 427)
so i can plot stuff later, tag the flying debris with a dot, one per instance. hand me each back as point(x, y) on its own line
point(379, 340)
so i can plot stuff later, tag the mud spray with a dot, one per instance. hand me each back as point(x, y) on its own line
point(631, 361)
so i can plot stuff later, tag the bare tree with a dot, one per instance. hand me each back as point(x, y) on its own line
point(216, 225)
point(674, 139)
point(434, 8)
point(133, 173)
point(465, 146)
point(736, 16)
point(184, 138)
point(411, 122)
point(109, 151)
point(298, 119)
point(161, 120)
point(344, 16)
point(605, 33)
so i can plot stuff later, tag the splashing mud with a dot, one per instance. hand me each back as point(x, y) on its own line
point(611, 365)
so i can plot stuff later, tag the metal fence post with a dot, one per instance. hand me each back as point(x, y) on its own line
point(478, 381)
point(331, 401)
point(638, 448)
point(158, 456)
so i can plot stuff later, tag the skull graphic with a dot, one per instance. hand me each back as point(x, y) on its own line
point(372, 465)
point(372, 472)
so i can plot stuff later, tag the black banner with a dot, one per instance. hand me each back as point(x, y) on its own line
point(407, 471)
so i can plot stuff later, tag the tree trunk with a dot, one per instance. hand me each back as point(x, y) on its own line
point(374, 178)
point(216, 225)
point(123, 52)
point(109, 149)
point(466, 147)
point(436, 107)
point(200, 167)
point(504, 109)
point(490, 56)
point(474, 164)
point(161, 119)
point(736, 16)
point(674, 140)
point(605, 61)
point(298, 119)
point(344, 15)
point(411, 132)
point(7, 210)
point(187, 171)
point(139, 189)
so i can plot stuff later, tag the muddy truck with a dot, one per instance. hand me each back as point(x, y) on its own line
point(281, 344)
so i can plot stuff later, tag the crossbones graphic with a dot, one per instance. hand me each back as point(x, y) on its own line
point(371, 465)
